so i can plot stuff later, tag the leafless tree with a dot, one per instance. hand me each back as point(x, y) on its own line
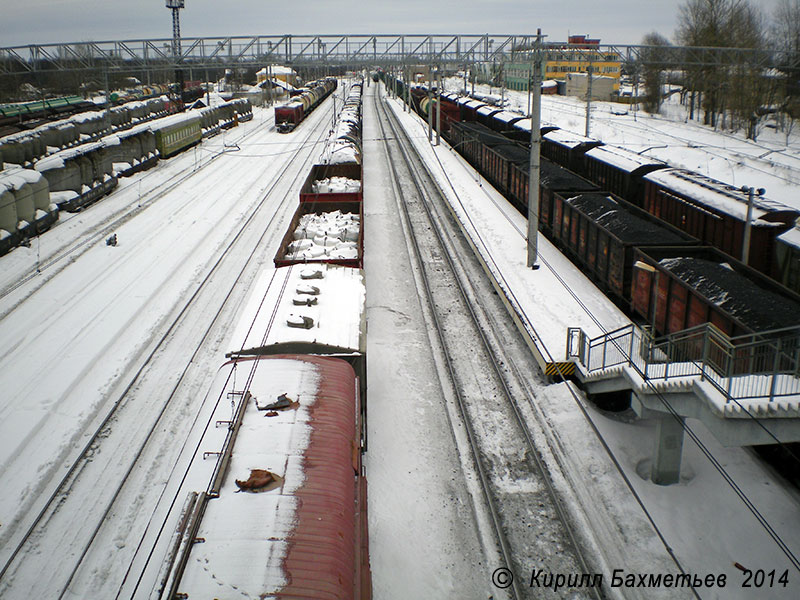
point(786, 25)
point(734, 92)
point(652, 70)
point(786, 36)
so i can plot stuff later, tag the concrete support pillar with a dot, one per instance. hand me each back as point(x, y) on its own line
point(668, 450)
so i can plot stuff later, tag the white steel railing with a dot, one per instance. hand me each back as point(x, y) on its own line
point(752, 367)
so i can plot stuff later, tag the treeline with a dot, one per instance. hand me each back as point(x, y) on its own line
point(730, 93)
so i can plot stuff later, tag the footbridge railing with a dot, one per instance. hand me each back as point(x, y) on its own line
point(762, 366)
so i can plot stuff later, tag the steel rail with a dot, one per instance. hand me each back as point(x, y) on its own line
point(96, 437)
point(65, 255)
point(491, 347)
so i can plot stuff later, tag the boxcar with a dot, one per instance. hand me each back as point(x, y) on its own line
point(503, 122)
point(787, 254)
point(567, 149)
point(716, 214)
point(282, 511)
point(618, 170)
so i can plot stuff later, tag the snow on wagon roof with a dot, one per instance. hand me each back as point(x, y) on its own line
point(249, 536)
point(716, 194)
point(567, 138)
point(507, 116)
point(622, 159)
point(488, 110)
point(791, 237)
point(337, 314)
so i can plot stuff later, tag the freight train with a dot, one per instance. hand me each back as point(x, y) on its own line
point(585, 209)
point(289, 115)
point(709, 210)
point(25, 115)
point(282, 510)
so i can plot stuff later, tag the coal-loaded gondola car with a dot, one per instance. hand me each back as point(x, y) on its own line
point(177, 133)
point(556, 180)
point(600, 233)
point(675, 289)
point(470, 139)
point(716, 213)
point(276, 496)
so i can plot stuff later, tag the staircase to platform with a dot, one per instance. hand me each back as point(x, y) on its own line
point(745, 390)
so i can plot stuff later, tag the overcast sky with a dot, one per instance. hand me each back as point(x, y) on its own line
point(613, 21)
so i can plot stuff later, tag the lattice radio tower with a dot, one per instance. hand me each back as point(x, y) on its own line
point(176, 6)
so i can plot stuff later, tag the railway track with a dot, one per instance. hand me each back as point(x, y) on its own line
point(72, 512)
point(491, 377)
point(51, 265)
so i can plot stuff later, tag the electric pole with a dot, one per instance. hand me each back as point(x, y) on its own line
point(535, 160)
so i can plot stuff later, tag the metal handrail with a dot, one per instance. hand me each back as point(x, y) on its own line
point(765, 365)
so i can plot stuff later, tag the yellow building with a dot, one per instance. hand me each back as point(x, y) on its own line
point(573, 57)
point(578, 56)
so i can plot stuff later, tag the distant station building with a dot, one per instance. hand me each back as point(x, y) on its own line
point(571, 58)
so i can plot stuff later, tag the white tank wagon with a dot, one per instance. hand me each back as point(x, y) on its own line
point(91, 125)
point(243, 109)
point(131, 151)
point(84, 171)
point(120, 116)
point(9, 234)
point(22, 148)
point(35, 213)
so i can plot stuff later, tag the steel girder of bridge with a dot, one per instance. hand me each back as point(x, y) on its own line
point(353, 50)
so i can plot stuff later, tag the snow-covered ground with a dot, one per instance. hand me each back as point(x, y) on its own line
point(72, 340)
